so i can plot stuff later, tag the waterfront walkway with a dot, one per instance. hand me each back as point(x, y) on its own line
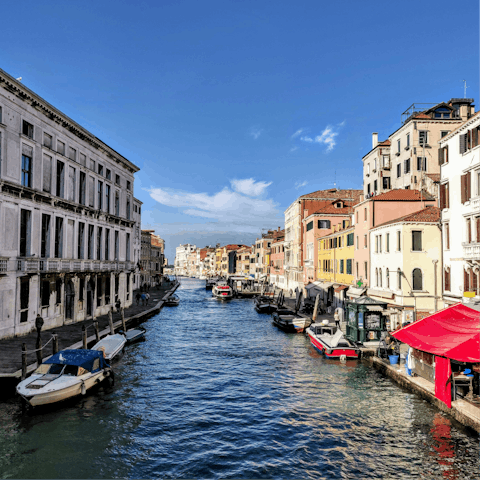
point(70, 336)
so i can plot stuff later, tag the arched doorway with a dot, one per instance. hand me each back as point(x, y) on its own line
point(90, 294)
point(69, 300)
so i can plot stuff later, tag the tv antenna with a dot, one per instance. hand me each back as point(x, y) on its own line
point(464, 88)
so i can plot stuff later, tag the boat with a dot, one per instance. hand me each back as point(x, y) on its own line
point(210, 283)
point(265, 305)
point(330, 341)
point(111, 345)
point(64, 375)
point(222, 291)
point(135, 334)
point(172, 301)
point(291, 322)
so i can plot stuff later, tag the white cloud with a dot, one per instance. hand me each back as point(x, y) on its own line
point(255, 132)
point(234, 211)
point(327, 137)
point(293, 149)
point(298, 132)
point(300, 184)
point(249, 187)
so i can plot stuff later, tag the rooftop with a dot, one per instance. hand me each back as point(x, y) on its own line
point(333, 193)
point(402, 195)
point(427, 215)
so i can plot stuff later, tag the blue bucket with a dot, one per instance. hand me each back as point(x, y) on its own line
point(393, 359)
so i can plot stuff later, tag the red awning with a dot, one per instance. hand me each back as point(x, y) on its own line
point(453, 333)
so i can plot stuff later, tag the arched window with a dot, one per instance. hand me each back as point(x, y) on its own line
point(376, 277)
point(417, 279)
point(388, 278)
point(380, 277)
point(399, 279)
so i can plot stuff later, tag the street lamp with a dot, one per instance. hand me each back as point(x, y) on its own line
point(414, 297)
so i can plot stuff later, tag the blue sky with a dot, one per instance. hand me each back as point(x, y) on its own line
point(232, 109)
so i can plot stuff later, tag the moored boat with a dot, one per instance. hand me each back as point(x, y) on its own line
point(265, 305)
point(111, 345)
point(135, 334)
point(291, 323)
point(64, 375)
point(222, 291)
point(172, 301)
point(210, 283)
point(330, 341)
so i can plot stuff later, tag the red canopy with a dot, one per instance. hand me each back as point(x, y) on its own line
point(453, 333)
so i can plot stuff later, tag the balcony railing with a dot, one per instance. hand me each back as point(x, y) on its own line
point(3, 265)
point(471, 251)
point(29, 265)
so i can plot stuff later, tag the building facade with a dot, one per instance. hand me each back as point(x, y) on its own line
point(66, 220)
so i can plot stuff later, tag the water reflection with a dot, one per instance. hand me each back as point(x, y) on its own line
point(217, 391)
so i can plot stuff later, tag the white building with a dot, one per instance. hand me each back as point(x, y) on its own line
point(66, 221)
point(460, 203)
point(182, 254)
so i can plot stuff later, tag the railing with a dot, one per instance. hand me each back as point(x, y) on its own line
point(471, 251)
point(3, 264)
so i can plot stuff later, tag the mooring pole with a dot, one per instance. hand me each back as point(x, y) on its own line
point(315, 309)
point(123, 321)
point(24, 361)
point(54, 343)
point(84, 336)
point(110, 321)
point(97, 330)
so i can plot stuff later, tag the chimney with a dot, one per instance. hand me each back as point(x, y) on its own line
point(374, 139)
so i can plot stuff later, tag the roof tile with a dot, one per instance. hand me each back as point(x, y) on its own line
point(427, 215)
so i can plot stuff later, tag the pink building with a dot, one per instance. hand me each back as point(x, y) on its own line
point(375, 211)
point(277, 259)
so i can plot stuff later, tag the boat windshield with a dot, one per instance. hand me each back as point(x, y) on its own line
point(56, 369)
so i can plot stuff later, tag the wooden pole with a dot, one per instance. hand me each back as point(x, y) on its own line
point(38, 347)
point(24, 361)
point(110, 321)
point(97, 330)
point(84, 336)
point(54, 343)
point(123, 321)
point(315, 308)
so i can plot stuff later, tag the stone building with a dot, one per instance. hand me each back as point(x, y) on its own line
point(181, 254)
point(66, 220)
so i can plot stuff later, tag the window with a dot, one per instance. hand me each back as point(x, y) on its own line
point(368, 169)
point(81, 240)
point(442, 112)
point(100, 195)
point(356, 269)
point(417, 279)
point(380, 244)
point(47, 140)
point(349, 266)
point(477, 223)
point(128, 185)
point(416, 241)
point(422, 164)
point(72, 154)
point(406, 165)
point(376, 277)
point(447, 236)
point(309, 226)
point(116, 245)
point(399, 170)
point(24, 297)
point(128, 208)
point(358, 244)
point(444, 133)
point(380, 277)
point(365, 214)
point(398, 146)
point(100, 169)
point(321, 223)
point(71, 184)
point(375, 186)
point(356, 214)
point(466, 187)
point(27, 129)
point(117, 204)
point(82, 190)
point(91, 192)
point(117, 179)
point(365, 266)
point(387, 276)
point(60, 147)
point(25, 232)
point(408, 140)
point(445, 196)
point(107, 198)
point(99, 291)
point(92, 164)
point(99, 243)
point(83, 159)
point(47, 173)
point(469, 230)
point(45, 240)
point(45, 294)
point(422, 138)
point(399, 244)
point(447, 279)
point(387, 242)
point(365, 241)
point(349, 239)
point(399, 279)
point(386, 161)
point(386, 183)
point(27, 166)
point(376, 243)
point(58, 237)
point(368, 189)
point(60, 179)
point(107, 244)
point(108, 174)
point(341, 266)
point(90, 242)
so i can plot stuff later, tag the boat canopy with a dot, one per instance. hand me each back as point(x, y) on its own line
point(80, 358)
point(453, 333)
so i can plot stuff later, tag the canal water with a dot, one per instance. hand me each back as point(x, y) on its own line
point(217, 391)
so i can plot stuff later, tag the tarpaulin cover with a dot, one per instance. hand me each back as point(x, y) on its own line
point(80, 358)
point(443, 386)
point(453, 333)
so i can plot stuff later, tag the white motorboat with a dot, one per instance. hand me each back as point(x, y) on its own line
point(64, 375)
point(111, 345)
point(172, 301)
point(329, 340)
point(222, 291)
point(135, 335)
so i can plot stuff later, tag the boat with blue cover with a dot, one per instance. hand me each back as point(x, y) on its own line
point(64, 375)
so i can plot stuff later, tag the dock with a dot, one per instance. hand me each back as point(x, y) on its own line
point(70, 335)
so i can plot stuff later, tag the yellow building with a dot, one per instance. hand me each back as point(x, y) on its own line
point(335, 264)
point(218, 260)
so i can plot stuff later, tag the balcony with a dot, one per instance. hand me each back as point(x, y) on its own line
point(471, 251)
point(3, 265)
point(35, 265)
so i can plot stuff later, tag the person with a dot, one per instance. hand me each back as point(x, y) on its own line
point(144, 299)
point(38, 323)
point(118, 304)
point(336, 317)
point(138, 296)
point(147, 296)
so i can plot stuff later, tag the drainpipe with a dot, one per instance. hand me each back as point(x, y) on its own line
point(435, 280)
